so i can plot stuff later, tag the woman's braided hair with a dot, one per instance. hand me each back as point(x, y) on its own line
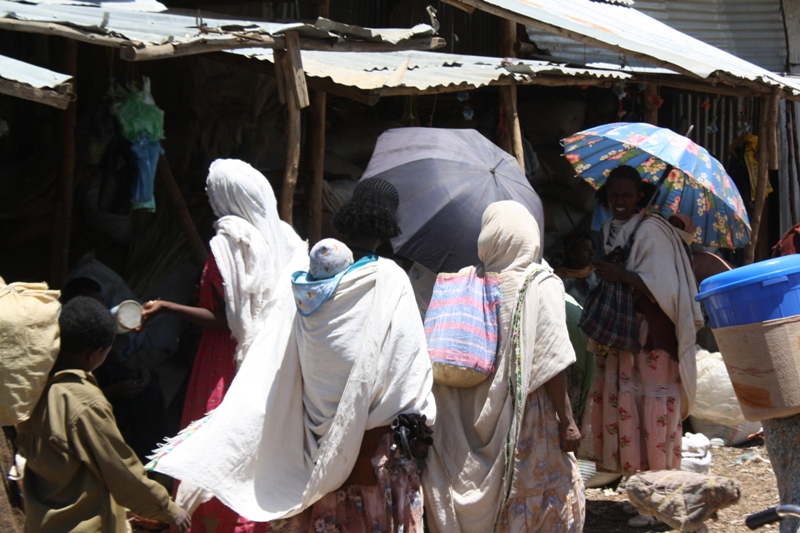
point(371, 212)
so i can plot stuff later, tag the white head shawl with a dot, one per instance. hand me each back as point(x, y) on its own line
point(252, 246)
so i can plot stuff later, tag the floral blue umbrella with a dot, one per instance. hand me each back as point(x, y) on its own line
point(697, 186)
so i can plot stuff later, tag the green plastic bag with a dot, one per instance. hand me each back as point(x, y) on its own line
point(139, 116)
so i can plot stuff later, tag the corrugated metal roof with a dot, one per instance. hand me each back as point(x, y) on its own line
point(122, 27)
point(426, 70)
point(30, 82)
point(633, 33)
point(128, 5)
point(37, 77)
point(753, 31)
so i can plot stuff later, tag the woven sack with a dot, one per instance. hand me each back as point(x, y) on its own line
point(29, 343)
point(461, 327)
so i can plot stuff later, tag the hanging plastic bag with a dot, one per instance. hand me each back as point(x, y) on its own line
point(147, 154)
point(138, 114)
point(142, 124)
point(29, 344)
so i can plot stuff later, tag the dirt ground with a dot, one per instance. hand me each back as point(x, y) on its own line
point(604, 507)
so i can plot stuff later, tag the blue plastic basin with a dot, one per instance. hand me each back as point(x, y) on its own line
point(755, 293)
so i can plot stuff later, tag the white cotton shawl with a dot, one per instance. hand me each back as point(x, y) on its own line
point(659, 258)
point(252, 245)
point(259, 452)
point(468, 474)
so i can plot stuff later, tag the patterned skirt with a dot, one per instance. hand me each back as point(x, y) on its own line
point(547, 492)
point(393, 505)
point(636, 404)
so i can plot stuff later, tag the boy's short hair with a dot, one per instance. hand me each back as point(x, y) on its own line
point(86, 325)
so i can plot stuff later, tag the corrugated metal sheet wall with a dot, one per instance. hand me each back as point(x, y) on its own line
point(732, 115)
point(750, 29)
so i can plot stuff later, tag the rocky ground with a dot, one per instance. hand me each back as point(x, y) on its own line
point(748, 464)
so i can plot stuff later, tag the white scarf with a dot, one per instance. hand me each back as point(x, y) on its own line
point(260, 452)
point(468, 473)
point(252, 245)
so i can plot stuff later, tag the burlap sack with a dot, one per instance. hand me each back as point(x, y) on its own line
point(763, 362)
point(29, 343)
point(684, 500)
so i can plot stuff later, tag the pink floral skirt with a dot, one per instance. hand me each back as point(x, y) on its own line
point(635, 401)
point(394, 504)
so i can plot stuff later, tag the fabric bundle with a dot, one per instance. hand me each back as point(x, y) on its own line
point(684, 500)
point(29, 344)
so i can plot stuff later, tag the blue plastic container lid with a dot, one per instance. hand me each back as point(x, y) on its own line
point(748, 275)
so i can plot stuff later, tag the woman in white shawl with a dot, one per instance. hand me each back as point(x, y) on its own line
point(251, 251)
point(302, 439)
point(638, 400)
point(501, 459)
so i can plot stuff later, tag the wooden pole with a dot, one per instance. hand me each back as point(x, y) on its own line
point(651, 110)
point(66, 174)
point(767, 147)
point(318, 102)
point(178, 205)
point(296, 92)
point(292, 158)
point(508, 96)
point(512, 143)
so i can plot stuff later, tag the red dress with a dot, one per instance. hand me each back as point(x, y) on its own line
point(212, 373)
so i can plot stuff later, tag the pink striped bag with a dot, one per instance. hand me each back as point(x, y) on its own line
point(461, 327)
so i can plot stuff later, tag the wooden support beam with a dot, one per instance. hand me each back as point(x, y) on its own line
point(650, 107)
point(319, 101)
point(57, 30)
point(292, 159)
point(42, 96)
point(689, 84)
point(181, 211)
point(66, 175)
point(459, 5)
point(512, 143)
point(508, 96)
point(508, 38)
point(294, 76)
point(280, 75)
point(170, 50)
point(137, 51)
point(255, 40)
point(791, 21)
point(767, 133)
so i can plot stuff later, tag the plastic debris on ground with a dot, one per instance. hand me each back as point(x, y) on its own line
point(695, 453)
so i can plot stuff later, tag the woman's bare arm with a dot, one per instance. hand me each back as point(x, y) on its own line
point(196, 315)
point(568, 432)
